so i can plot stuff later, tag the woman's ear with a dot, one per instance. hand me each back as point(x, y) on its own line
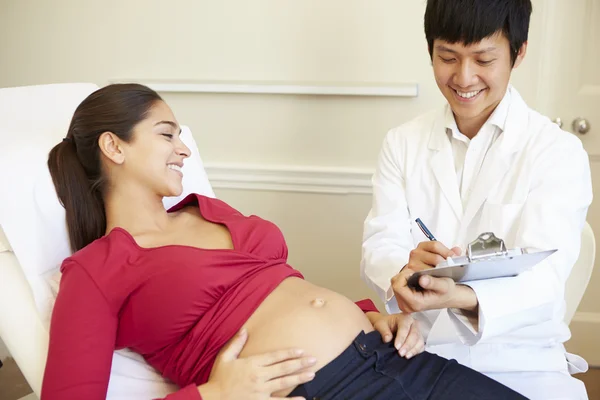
point(110, 146)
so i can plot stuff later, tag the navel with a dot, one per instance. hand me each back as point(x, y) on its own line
point(317, 303)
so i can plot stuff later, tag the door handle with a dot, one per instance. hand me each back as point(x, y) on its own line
point(581, 126)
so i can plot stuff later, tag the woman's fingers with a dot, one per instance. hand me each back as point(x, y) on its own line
point(274, 357)
point(233, 349)
point(403, 332)
point(420, 348)
point(259, 376)
point(289, 382)
point(288, 367)
point(383, 327)
point(413, 344)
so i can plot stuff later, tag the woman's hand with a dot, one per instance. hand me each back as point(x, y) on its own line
point(255, 377)
point(409, 341)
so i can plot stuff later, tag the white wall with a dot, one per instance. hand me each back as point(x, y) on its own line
point(347, 42)
point(339, 41)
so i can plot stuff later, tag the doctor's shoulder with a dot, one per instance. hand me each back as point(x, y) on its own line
point(414, 131)
point(548, 138)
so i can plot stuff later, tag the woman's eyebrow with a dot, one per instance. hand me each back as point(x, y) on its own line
point(171, 123)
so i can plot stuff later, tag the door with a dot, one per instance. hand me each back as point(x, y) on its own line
point(569, 90)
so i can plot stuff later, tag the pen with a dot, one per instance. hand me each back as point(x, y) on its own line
point(424, 229)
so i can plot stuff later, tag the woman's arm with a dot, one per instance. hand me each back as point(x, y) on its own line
point(82, 341)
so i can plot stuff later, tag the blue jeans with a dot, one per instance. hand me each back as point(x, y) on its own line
point(371, 370)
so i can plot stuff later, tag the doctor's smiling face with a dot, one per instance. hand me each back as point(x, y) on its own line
point(474, 46)
point(474, 78)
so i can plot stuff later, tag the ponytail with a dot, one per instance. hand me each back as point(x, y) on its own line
point(76, 163)
point(81, 198)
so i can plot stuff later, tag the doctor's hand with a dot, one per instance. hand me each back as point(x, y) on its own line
point(437, 293)
point(255, 377)
point(429, 254)
point(408, 339)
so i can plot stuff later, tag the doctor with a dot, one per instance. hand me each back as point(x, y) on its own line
point(484, 162)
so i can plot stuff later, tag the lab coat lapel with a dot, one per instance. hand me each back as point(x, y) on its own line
point(494, 167)
point(498, 160)
point(442, 164)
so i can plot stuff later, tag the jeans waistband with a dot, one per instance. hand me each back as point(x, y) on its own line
point(365, 345)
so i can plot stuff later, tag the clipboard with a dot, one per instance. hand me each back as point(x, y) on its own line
point(486, 258)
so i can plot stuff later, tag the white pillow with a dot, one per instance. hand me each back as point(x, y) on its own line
point(32, 120)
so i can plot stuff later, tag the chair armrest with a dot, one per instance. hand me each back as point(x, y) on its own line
point(20, 326)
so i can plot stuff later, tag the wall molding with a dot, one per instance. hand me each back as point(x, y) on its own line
point(333, 180)
point(329, 180)
point(249, 87)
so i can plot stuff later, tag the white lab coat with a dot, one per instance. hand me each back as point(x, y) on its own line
point(533, 191)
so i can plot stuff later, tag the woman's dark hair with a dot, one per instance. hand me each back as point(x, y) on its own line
point(75, 163)
point(470, 21)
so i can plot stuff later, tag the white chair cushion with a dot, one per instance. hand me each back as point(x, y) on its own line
point(581, 272)
point(32, 120)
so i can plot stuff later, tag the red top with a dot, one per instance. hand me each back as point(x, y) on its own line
point(175, 305)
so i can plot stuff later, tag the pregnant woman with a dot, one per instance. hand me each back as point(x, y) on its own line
point(178, 286)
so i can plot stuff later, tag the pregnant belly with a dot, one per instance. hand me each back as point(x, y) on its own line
point(298, 314)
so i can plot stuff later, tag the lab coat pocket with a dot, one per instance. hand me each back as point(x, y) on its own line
point(501, 219)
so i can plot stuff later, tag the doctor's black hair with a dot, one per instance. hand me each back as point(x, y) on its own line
point(75, 163)
point(470, 21)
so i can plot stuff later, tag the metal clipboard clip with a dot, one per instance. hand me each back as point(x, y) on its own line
point(487, 245)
